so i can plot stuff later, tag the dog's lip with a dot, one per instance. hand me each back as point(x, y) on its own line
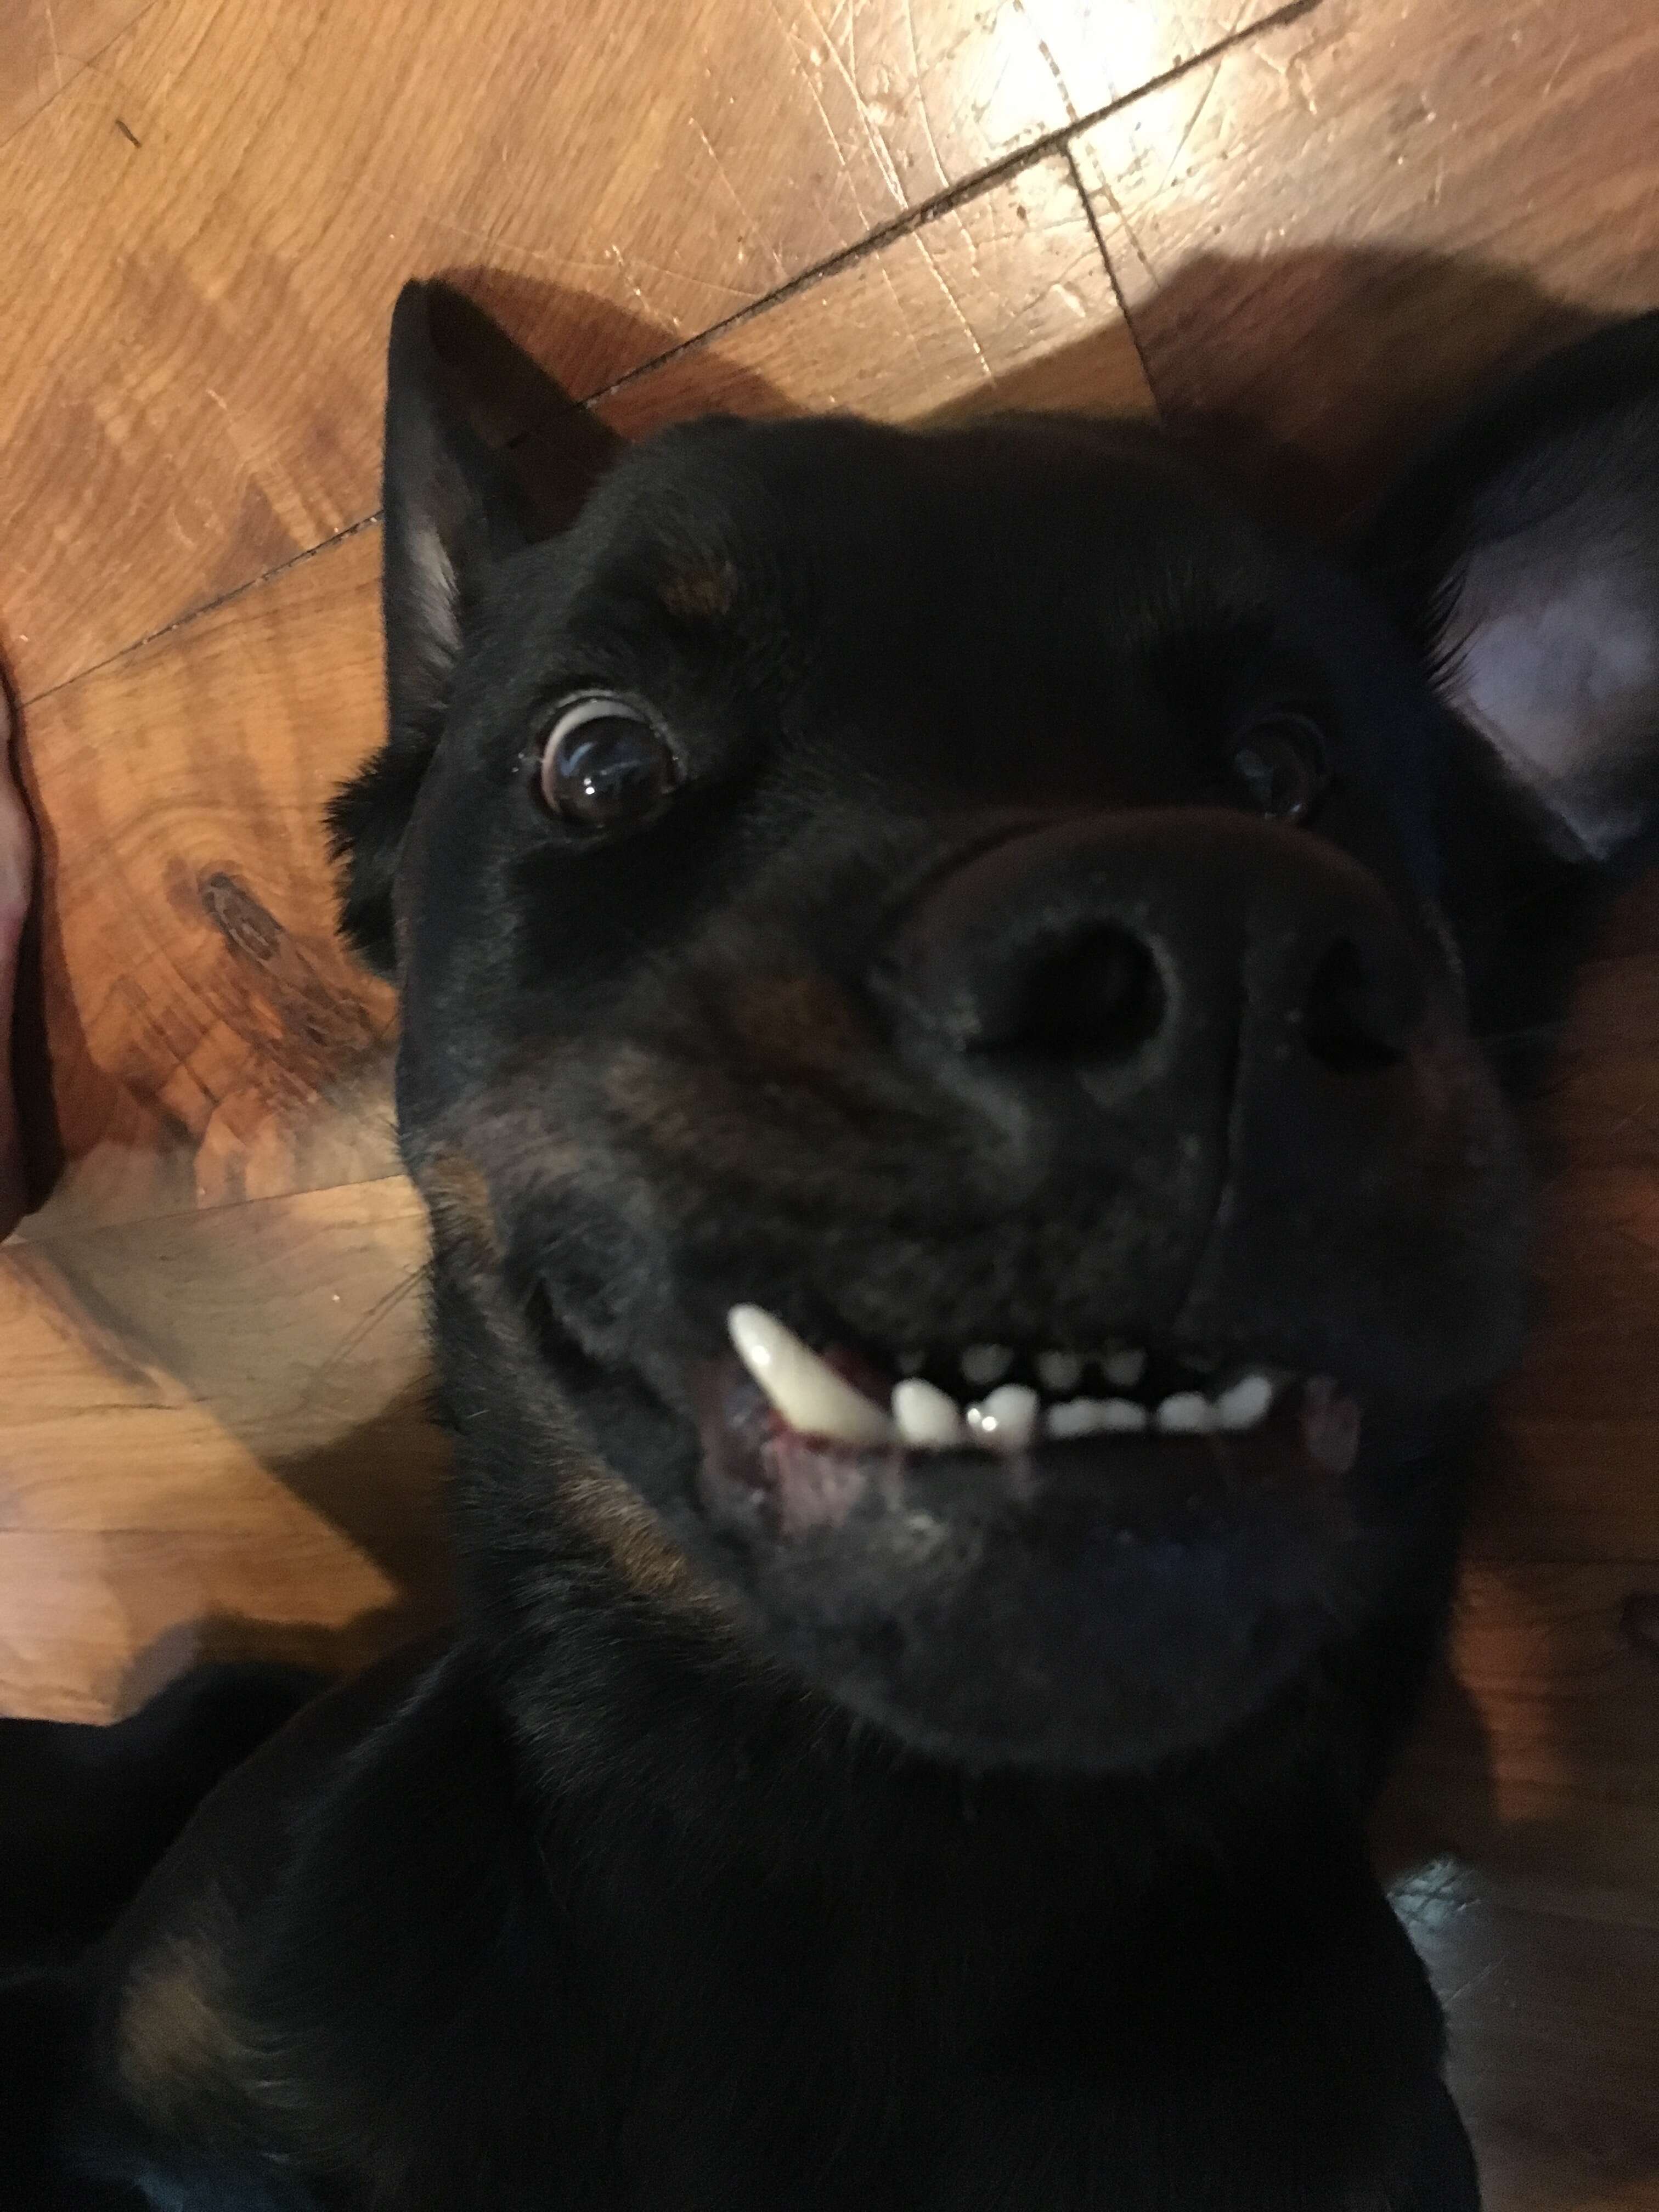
point(759, 1477)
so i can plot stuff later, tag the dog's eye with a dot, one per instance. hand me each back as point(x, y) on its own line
point(604, 765)
point(1277, 765)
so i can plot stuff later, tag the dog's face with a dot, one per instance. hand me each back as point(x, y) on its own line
point(937, 1040)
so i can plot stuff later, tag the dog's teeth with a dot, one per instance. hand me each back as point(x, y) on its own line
point(1124, 1417)
point(984, 1364)
point(1058, 1370)
point(1185, 1413)
point(1124, 1366)
point(1076, 1417)
point(926, 1419)
point(1096, 1417)
point(811, 1396)
point(912, 1362)
point(1244, 1403)
point(1007, 1420)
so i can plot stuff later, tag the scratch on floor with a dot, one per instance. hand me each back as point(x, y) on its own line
point(1191, 125)
point(51, 38)
point(921, 93)
point(756, 230)
point(956, 308)
point(1053, 66)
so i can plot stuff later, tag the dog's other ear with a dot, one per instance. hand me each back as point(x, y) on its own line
point(1521, 555)
point(485, 455)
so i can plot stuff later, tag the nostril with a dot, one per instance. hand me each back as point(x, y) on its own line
point(1098, 997)
point(1347, 1021)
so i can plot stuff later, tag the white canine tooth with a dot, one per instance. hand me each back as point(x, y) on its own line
point(811, 1396)
point(1244, 1403)
point(926, 1419)
point(983, 1363)
point(1185, 1413)
point(1124, 1366)
point(1060, 1370)
point(1007, 1420)
point(1124, 1417)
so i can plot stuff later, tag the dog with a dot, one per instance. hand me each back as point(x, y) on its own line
point(943, 977)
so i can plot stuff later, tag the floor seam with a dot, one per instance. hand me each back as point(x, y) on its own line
point(1111, 276)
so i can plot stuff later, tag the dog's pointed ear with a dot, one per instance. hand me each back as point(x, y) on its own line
point(484, 456)
point(1522, 558)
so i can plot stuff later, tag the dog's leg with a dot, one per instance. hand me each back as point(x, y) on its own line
point(42, 2025)
point(85, 1813)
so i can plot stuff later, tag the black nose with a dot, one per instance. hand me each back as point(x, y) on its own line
point(1132, 942)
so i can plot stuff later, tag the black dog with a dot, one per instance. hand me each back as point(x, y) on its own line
point(941, 982)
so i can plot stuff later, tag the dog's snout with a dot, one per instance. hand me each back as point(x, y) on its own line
point(1121, 943)
point(1360, 1006)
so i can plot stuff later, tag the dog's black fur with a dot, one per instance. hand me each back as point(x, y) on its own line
point(780, 1829)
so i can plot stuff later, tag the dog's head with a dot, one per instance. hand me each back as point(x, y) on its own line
point(942, 977)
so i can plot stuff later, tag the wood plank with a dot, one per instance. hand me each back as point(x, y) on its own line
point(95, 1623)
point(216, 1424)
point(1555, 2026)
point(210, 1040)
point(205, 236)
point(1571, 1475)
point(1330, 234)
point(1571, 1481)
point(45, 44)
point(1104, 51)
point(1538, 1762)
point(1002, 300)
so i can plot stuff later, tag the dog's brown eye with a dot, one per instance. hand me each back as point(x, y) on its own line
point(1278, 766)
point(604, 765)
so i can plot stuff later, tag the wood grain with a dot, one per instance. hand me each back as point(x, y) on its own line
point(1000, 301)
point(1572, 1473)
point(215, 1441)
point(207, 232)
point(1554, 2027)
point(232, 1049)
point(1330, 234)
point(108, 1617)
point(1539, 1761)
point(45, 44)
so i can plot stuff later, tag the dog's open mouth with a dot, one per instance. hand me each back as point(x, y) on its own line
point(802, 1439)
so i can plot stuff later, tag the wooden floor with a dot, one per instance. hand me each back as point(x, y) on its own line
point(1316, 226)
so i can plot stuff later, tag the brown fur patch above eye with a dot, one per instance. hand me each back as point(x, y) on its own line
point(802, 1022)
point(700, 594)
point(177, 2042)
